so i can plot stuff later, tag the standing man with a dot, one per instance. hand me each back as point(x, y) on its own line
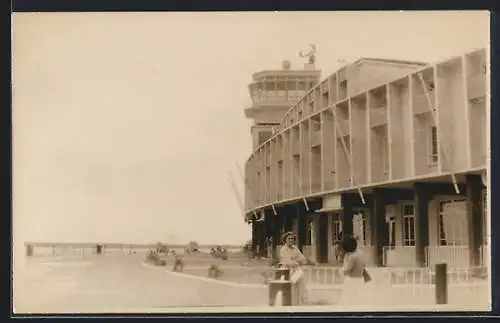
point(291, 257)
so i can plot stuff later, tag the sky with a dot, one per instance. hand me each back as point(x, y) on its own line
point(127, 126)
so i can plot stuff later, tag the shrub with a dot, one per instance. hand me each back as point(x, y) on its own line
point(223, 254)
point(178, 263)
point(214, 271)
point(219, 253)
point(152, 257)
point(192, 246)
point(161, 248)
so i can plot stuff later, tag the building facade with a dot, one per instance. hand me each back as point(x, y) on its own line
point(394, 152)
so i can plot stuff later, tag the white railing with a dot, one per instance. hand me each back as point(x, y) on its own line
point(417, 286)
point(328, 275)
point(321, 275)
point(454, 256)
point(409, 287)
point(399, 256)
point(405, 286)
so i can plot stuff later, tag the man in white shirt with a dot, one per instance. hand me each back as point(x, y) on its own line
point(290, 256)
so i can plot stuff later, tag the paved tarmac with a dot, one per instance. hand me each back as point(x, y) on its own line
point(122, 283)
point(107, 284)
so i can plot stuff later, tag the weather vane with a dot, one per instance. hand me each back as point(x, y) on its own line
point(311, 54)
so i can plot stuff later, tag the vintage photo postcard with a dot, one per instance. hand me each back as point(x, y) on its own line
point(251, 162)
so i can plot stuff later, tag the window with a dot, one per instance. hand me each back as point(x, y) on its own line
point(279, 180)
point(453, 223)
point(268, 188)
point(433, 145)
point(336, 228)
point(385, 153)
point(408, 225)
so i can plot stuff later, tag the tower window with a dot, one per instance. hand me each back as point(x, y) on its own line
point(433, 145)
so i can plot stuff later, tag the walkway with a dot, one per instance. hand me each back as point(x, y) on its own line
point(112, 284)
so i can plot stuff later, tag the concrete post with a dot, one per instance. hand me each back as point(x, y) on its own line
point(380, 230)
point(322, 239)
point(255, 235)
point(347, 215)
point(261, 228)
point(475, 218)
point(302, 227)
point(422, 198)
point(441, 284)
point(285, 286)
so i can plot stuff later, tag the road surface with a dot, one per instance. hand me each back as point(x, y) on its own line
point(114, 283)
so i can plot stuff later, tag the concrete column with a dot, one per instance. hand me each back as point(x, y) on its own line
point(422, 198)
point(255, 236)
point(322, 239)
point(379, 227)
point(269, 234)
point(301, 227)
point(288, 214)
point(330, 235)
point(277, 228)
point(262, 239)
point(347, 224)
point(475, 218)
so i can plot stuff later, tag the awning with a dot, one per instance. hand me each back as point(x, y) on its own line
point(328, 209)
point(331, 203)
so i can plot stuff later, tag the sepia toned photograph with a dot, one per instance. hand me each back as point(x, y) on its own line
point(254, 162)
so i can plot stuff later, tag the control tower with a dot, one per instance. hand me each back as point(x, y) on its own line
point(273, 92)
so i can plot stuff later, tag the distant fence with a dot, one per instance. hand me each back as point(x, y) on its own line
point(86, 249)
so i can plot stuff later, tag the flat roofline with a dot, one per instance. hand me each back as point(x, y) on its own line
point(389, 60)
point(287, 73)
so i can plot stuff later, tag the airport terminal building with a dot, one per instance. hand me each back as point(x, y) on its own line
point(392, 151)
